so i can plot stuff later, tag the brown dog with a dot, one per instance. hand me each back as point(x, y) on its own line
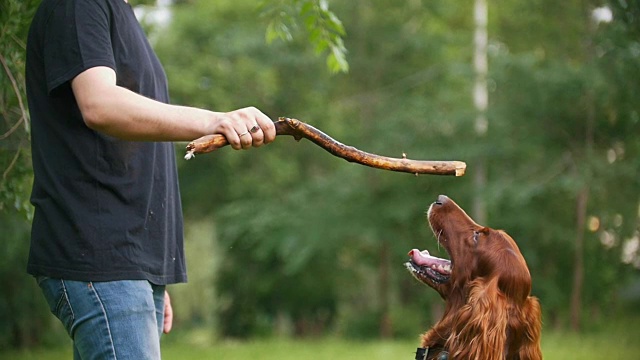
point(486, 285)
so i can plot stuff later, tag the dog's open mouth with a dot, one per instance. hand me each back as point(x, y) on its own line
point(427, 268)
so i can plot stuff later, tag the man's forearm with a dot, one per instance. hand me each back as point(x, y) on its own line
point(122, 113)
point(130, 116)
point(119, 112)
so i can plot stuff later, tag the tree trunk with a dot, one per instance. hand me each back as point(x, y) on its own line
point(578, 264)
point(386, 326)
point(481, 102)
point(583, 196)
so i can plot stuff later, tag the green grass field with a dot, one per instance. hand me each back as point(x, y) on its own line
point(618, 341)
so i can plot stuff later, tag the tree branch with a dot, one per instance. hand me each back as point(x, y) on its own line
point(299, 130)
point(14, 84)
point(13, 162)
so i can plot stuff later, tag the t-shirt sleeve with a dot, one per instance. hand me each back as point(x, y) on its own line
point(77, 38)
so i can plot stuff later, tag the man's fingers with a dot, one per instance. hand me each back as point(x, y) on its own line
point(247, 127)
point(168, 314)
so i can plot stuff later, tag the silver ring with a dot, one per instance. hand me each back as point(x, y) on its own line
point(254, 129)
point(243, 134)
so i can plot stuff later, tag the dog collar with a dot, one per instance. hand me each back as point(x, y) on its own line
point(423, 354)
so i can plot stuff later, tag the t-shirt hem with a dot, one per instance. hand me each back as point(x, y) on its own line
point(107, 276)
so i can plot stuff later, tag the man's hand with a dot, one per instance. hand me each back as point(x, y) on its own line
point(245, 128)
point(168, 314)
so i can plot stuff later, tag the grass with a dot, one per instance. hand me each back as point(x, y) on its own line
point(260, 349)
point(617, 341)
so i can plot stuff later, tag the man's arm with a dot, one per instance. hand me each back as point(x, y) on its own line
point(119, 112)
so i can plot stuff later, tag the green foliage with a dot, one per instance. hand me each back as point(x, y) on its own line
point(325, 30)
point(291, 216)
point(561, 97)
point(566, 121)
point(15, 164)
point(24, 315)
point(304, 227)
point(203, 255)
point(288, 240)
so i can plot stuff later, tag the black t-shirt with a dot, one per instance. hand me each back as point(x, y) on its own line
point(105, 209)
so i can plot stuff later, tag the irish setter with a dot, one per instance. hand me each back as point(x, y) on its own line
point(489, 312)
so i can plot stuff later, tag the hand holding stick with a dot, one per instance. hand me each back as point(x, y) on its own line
point(299, 130)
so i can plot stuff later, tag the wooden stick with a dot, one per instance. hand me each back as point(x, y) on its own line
point(299, 130)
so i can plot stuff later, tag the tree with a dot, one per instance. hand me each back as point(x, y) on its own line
point(408, 90)
point(306, 243)
point(283, 241)
point(565, 92)
point(20, 324)
point(14, 127)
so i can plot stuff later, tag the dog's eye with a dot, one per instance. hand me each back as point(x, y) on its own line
point(475, 236)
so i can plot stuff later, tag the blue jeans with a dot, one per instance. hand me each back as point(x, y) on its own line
point(108, 320)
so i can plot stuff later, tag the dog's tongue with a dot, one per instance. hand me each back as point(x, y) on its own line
point(423, 258)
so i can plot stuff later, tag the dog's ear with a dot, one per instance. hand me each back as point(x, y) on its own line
point(526, 329)
point(498, 257)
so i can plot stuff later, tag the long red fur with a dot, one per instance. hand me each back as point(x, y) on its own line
point(489, 312)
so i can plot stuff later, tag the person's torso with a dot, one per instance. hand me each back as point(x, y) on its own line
point(105, 208)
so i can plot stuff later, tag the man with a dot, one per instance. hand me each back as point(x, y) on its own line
point(107, 229)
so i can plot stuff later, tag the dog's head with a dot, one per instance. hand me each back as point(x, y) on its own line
point(485, 283)
point(475, 251)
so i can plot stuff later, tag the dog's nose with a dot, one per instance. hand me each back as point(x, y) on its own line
point(442, 199)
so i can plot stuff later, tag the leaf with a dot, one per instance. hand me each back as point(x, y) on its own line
point(324, 29)
point(336, 60)
point(278, 30)
point(335, 24)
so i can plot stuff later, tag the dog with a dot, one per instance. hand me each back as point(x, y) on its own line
point(489, 313)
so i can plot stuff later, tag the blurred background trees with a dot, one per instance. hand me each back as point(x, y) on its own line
point(287, 240)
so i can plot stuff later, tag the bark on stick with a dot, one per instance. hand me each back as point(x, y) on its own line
point(299, 130)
